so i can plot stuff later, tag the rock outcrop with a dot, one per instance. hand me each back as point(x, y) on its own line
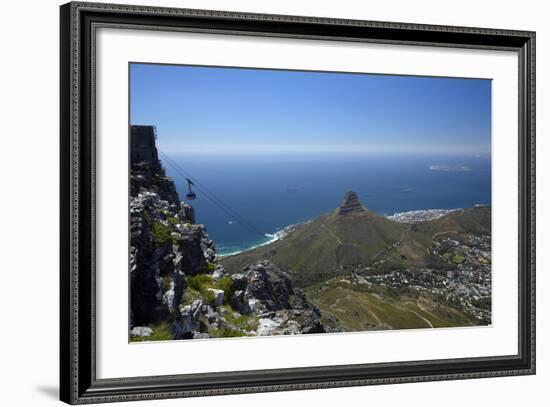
point(165, 245)
point(178, 289)
point(351, 203)
point(259, 302)
point(270, 294)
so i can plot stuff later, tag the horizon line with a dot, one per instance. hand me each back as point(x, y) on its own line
point(234, 149)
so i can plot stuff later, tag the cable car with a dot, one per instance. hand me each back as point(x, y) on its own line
point(190, 195)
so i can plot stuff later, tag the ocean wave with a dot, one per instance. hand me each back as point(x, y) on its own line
point(271, 237)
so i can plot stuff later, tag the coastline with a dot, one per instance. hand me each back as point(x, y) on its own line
point(273, 237)
point(420, 215)
point(414, 216)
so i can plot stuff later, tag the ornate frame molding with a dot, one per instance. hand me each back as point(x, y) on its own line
point(79, 21)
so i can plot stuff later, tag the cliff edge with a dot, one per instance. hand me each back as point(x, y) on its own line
point(178, 290)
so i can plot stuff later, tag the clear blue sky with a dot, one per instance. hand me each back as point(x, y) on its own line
point(247, 110)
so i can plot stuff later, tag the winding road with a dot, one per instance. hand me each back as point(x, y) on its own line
point(392, 246)
point(449, 231)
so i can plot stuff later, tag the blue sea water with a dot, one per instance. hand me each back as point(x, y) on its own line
point(269, 192)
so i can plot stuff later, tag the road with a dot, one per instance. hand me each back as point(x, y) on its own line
point(449, 217)
point(392, 246)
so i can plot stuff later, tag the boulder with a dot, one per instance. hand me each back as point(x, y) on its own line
point(210, 255)
point(239, 302)
point(142, 331)
point(254, 304)
point(268, 284)
point(189, 212)
point(193, 260)
point(266, 327)
point(187, 323)
point(239, 282)
point(309, 323)
point(218, 296)
point(219, 273)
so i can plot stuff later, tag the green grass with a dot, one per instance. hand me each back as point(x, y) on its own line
point(327, 245)
point(458, 259)
point(202, 282)
point(246, 322)
point(160, 233)
point(210, 298)
point(211, 267)
point(172, 220)
point(189, 296)
point(360, 308)
point(226, 284)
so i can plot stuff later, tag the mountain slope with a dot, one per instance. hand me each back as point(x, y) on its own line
point(327, 245)
point(352, 237)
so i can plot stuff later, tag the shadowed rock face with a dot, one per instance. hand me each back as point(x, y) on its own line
point(351, 203)
point(167, 250)
point(165, 244)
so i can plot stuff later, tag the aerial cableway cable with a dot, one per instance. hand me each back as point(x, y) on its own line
point(211, 196)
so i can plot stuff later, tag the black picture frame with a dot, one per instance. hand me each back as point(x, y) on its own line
point(78, 382)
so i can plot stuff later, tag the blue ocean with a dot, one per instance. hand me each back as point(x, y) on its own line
point(243, 200)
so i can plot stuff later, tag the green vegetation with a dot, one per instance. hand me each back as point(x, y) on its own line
point(172, 220)
point(166, 282)
point(332, 244)
point(325, 247)
point(210, 298)
point(458, 259)
point(161, 332)
point(211, 267)
point(245, 322)
point(226, 284)
point(361, 307)
point(438, 263)
point(160, 233)
point(189, 296)
point(200, 283)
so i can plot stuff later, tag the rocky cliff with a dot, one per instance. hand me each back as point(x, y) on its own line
point(165, 245)
point(178, 288)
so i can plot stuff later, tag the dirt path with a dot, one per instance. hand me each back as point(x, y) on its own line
point(333, 235)
point(428, 312)
point(392, 246)
point(422, 318)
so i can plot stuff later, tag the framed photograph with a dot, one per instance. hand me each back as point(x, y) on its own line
point(256, 203)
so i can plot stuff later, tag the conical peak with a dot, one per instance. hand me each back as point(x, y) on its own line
point(351, 203)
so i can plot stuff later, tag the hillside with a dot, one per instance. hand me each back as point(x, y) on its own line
point(366, 272)
point(352, 236)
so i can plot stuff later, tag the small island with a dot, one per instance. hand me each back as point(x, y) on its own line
point(450, 168)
